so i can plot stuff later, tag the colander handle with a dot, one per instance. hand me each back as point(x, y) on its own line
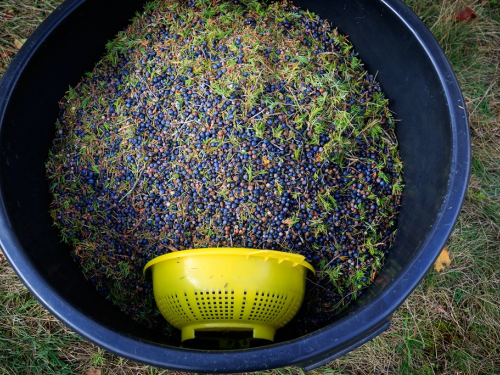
point(349, 346)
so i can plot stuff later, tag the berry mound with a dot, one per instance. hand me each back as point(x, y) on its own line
point(227, 124)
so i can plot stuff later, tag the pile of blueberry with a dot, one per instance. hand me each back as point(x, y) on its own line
point(227, 124)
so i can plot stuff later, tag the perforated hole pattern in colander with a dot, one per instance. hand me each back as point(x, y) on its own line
point(271, 307)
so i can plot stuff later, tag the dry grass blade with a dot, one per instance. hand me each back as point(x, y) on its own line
point(18, 19)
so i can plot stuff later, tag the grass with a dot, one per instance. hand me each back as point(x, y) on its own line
point(18, 19)
point(449, 325)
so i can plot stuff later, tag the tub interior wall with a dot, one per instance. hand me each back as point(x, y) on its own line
point(413, 89)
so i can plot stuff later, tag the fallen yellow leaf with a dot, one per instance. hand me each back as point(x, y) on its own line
point(19, 43)
point(443, 260)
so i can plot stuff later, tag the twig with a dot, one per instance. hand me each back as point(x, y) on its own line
point(326, 265)
point(133, 187)
point(308, 279)
point(276, 145)
point(255, 115)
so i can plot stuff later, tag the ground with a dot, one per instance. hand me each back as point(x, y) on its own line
point(449, 325)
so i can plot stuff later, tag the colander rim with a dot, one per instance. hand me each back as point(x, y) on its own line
point(296, 259)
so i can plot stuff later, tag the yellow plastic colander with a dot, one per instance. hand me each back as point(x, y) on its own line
point(228, 289)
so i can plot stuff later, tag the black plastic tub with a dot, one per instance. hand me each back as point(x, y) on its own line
point(435, 147)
